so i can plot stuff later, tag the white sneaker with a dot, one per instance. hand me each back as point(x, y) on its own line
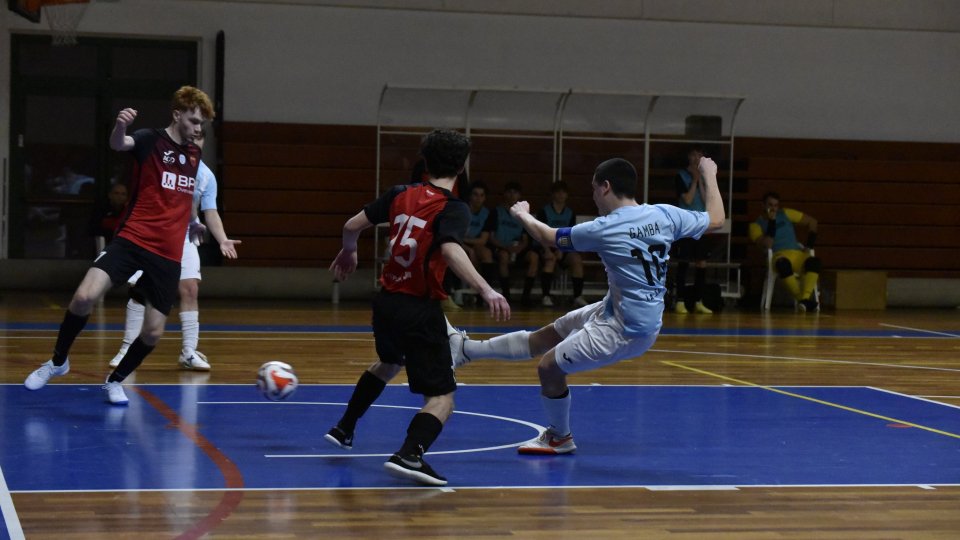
point(457, 338)
point(196, 361)
point(580, 301)
point(116, 359)
point(115, 393)
point(549, 443)
point(42, 375)
point(547, 301)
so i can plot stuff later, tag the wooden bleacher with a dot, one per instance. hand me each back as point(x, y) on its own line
point(890, 206)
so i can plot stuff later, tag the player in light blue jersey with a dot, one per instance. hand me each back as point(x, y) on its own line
point(633, 241)
point(204, 198)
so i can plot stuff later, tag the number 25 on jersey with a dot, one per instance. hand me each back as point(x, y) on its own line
point(405, 226)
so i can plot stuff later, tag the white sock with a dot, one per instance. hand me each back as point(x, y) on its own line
point(558, 413)
point(190, 328)
point(132, 324)
point(512, 346)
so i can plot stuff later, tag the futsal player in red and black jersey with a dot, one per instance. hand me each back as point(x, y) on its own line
point(427, 226)
point(149, 237)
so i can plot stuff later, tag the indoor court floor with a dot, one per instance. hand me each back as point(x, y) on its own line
point(736, 425)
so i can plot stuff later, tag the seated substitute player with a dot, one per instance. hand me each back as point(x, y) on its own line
point(427, 225)
point(477, 240)
point(149, 238)
point(511, 244)
point(775, 230)
point(204, 198)
point(557, 214)
point(633, 241)
point(106, 218)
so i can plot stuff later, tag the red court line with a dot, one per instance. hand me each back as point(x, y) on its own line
point(231, 474)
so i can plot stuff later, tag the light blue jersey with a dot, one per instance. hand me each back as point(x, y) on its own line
point(205, 194)
point(634, 242)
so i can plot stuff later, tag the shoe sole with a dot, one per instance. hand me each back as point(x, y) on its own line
point(194, 368)
point(543, 451)
point(333, 440)
point(401, 472)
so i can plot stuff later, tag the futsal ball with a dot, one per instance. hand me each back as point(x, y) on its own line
point(276, 380)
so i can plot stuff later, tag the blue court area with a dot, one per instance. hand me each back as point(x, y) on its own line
point(65, 437)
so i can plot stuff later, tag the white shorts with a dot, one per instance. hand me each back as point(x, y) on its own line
point(189, 264)
point(591, 340)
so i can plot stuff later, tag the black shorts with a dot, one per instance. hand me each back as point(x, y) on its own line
point(410, 331)
point(688, 249)
point(161, 276)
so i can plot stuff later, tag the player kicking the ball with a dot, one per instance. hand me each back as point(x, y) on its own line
point(427, 226)
point(633, 241)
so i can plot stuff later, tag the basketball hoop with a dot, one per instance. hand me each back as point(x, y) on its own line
point(63, 17)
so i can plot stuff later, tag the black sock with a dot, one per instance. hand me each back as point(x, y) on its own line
point(528, 286)
point(368, 389)
point(546, 281)
point(505, 287)
point(69, 330)
point(488, 271)
point(135, 354)
point(577, 287)
point(699, 277)
point(423, 430)
point(682, 280)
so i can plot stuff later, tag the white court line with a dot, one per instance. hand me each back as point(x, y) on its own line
point(294, 337)
point(918, 398)
point(14, 530)
point(920, 330)
point(801, 359)
point(704, 487)
point(538, 428)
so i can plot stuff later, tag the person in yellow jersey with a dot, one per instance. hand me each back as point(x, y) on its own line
point(775, 229)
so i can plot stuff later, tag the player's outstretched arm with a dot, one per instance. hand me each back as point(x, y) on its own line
point(119, 140)
point(228, 247)
point(537, 229)
point(711, 193)
point(346, 261)
point(459, 262)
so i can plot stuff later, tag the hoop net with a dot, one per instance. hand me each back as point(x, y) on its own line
point(63, 17)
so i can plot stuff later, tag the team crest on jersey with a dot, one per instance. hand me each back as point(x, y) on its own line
point(168, 157)
point(193, 161)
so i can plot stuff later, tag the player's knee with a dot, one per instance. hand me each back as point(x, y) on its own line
point(151, 335)
point(189, 289)
point(784, 269)
point(812, 265)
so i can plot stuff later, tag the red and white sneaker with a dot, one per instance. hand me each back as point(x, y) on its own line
point(549, 443)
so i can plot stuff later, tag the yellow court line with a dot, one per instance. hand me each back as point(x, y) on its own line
point(814, 400)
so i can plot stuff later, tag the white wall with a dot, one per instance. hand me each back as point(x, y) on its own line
point(305, 63)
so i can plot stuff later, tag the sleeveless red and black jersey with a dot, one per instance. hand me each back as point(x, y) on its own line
point(161, 193)
point(422, 217)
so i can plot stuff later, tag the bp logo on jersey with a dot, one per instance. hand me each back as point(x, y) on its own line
point(185, 184)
